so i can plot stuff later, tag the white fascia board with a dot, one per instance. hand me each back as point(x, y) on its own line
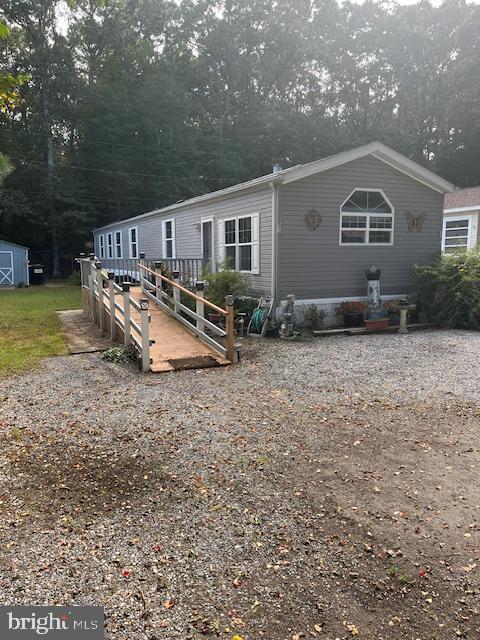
point(472, 208)
point(263, 181)
point(382, 153)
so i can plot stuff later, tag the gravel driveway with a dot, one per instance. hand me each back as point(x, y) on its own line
point(323, 488)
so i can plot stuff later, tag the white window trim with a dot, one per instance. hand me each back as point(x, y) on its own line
point(131, 244)
point(254, 243)
point(472, 228)
point(172, 238)
point(109, 245)
point(368, 215)
point(101, 246)
point(117, 246)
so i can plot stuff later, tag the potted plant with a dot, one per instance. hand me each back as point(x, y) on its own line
point(392, 309)
point(352, 313)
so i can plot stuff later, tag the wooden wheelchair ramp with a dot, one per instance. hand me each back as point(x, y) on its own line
point(174, 346)
point(163, 321)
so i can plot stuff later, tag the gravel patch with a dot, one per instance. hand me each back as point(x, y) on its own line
point(321, 488)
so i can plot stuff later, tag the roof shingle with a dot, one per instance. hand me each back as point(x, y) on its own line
point(463, 198)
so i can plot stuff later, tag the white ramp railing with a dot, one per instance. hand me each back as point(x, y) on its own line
point(166, 293)
point(115, 302)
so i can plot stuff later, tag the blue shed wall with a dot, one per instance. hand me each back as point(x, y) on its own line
point(20, 262)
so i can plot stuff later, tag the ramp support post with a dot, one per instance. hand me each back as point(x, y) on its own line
point(101, 308)
point(111, 300)
point(127, 338)
point(229, 328)
point(176, 290)
point(200, 305)
point(158, 281)
point(144, 318)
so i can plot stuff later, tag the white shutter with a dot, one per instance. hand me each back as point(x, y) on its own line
point(255, 243)
point(174, 239)
point(164, 243)
point(221, 241)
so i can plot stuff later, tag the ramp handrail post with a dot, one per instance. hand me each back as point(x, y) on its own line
point(127, 336)
point(111, 299)
point(142, 273)
point(91, 293)
point(91, 286)
point(200, 305)
point(144, 318)
point(176, 291)
point(158, 281)
point(101, 309)
point(229, 328)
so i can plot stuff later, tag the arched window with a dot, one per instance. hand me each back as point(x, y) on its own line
point(366, 217)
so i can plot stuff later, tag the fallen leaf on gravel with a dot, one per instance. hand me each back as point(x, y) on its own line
point(126, 573)
point(169, 604)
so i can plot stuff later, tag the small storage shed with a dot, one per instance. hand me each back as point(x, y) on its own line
point(13, 265)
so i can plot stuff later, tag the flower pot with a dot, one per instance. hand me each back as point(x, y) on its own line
point(377, 323)
point(351, 320)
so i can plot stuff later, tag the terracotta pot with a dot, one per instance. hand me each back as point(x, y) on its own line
point(378, 323)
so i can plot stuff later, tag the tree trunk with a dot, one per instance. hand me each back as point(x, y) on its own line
point(50, 194)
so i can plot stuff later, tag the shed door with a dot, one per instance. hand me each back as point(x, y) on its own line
point(6, 267)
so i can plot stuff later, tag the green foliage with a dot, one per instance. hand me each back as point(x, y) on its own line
point(313, 317)
point(119, 354)
point(225, 282)
point(448, 291)
point(75, 279)
point(144, 103)
point(6, 167)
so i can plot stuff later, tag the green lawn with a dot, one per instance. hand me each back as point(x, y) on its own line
point(29, 327)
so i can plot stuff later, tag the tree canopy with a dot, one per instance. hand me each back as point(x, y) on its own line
point(134, 104)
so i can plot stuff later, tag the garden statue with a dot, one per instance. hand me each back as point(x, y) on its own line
point(374, 301)
point(287, 325)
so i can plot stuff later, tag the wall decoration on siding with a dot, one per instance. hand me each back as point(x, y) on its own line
point(312, 219)
point(415, 221)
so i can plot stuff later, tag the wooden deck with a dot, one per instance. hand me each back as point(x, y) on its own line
point(175, 346)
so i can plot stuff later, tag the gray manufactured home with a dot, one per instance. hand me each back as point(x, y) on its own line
point(309, 230)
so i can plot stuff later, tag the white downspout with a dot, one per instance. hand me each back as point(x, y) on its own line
point(274, 188)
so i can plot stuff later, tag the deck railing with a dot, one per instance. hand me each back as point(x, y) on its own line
point(126, 269)
point(112, 307)
point(166, 293)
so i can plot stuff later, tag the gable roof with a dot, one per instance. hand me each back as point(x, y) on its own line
point(376, 149)
point(13, 244)
point(462, 200)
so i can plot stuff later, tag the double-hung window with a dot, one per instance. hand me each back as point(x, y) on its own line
point(133, 242)
point(238, 243)
point(118, 244)
point(168, 228)
point(457, 233)
point(366, 217)
point(101, 246)
point(109, 245)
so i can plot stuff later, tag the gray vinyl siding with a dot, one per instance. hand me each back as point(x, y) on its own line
point(188, 237)
point(312, 263)
point(20, 262)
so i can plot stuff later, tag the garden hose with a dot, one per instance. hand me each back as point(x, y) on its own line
point(257, 320)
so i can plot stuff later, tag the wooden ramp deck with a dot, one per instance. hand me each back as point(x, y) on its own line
point(175, 347)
